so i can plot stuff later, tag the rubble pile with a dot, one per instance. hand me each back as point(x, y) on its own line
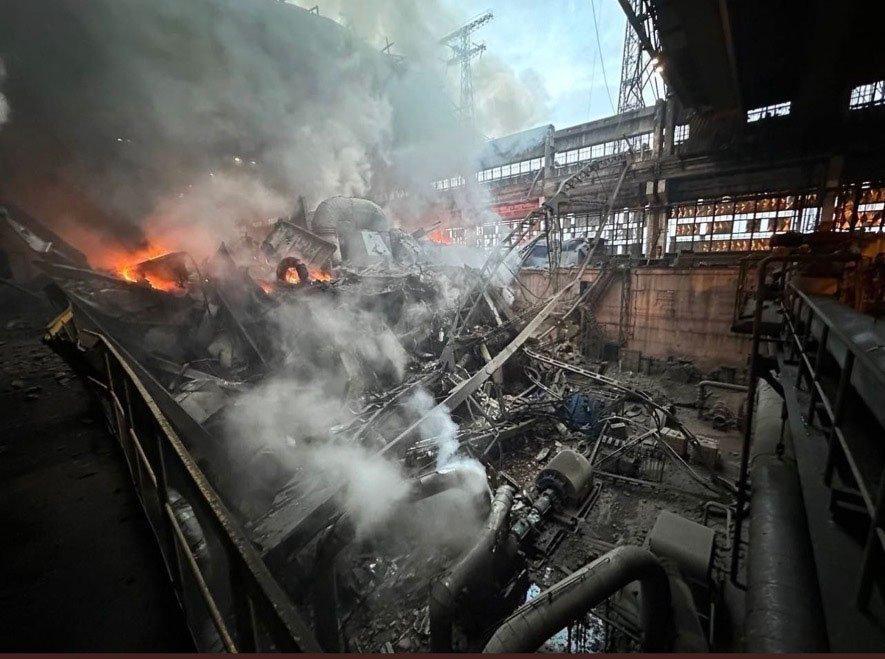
point(358, 398)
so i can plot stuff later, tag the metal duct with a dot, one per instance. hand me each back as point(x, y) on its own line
point(538, 620)
point(337, 218)
point(471, 569)
point(784, 612)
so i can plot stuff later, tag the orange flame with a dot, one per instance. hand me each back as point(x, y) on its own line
point(440, 237)
point(291, 276)
point(125, 264)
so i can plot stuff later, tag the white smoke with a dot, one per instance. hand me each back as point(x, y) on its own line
point(291, 423)
point(4, 104)
point(506, 101)
point(331, 348)
point(437, 426)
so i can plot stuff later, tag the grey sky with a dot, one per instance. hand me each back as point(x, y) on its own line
point(556, 39)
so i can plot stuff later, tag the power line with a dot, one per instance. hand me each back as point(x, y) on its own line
point(463, 52)
point(601, 58)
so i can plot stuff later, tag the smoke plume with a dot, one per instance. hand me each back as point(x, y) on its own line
point(295, 425)
point(136, 117)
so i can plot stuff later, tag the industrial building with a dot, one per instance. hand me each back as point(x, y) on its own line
point(610, 387)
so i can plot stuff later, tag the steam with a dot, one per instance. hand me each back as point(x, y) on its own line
point(4, 104)
point(290, 425)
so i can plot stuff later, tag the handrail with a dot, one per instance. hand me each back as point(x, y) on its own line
point(752, 380)
point(260, 605)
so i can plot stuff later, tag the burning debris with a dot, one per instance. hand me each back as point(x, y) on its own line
point(356, 402)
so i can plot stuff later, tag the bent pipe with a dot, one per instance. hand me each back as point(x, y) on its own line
point(688, 632)
point(539, 619)
point(341, 533)
point(473, 567)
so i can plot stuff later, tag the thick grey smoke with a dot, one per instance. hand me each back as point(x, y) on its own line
point(135, 117)
point(506, 101)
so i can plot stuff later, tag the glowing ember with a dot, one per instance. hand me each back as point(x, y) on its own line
point(291, 276)
point(440, 236)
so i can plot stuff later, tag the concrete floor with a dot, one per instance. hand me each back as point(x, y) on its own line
point(79, 566)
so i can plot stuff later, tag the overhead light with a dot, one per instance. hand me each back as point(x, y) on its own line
point(659, 68)
point(654, 60)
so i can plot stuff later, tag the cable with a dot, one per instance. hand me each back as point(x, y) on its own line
point(601, 58)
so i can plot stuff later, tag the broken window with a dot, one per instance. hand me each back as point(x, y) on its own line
point(769, 111)
point(681, 133)
point(867, 96)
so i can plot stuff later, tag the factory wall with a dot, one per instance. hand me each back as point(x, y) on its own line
point(684, 313)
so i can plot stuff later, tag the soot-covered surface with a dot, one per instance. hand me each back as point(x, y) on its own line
point(79, 567)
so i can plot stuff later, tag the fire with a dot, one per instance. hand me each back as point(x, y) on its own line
point(319, 275)
point(125, 265)
point(291, 276)
point(440, 237)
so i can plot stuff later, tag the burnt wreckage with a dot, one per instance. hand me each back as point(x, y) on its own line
point(346, 437)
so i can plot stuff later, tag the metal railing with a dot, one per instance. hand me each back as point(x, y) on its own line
point(764, 292)
point(810, 331)
point(230, 599)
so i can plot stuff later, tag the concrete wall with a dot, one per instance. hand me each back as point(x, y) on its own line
point(673, 312)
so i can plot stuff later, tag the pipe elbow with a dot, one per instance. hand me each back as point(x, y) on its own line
point(537, 620)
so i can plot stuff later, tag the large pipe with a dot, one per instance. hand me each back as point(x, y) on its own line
point(538, 620)
point(752, 380)
point(341, 533)
point(689, 635)
point(476, 564)
point(784, 612)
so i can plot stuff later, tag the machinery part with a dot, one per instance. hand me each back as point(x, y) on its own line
point(437, 482)
point(190, 527)
point(341, 533)
point(471, 571)
point(568, 474)
point(340, 218)
point(537, 620)
point(784, 612)
point(689, 632)
point(686, 543)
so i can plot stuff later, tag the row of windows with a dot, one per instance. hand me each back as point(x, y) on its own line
point(493, 173)
point(513, 169)
point(446, 183)
point(636, 142)
point(769, 111)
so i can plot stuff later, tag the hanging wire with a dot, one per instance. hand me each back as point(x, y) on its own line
point(601, 58)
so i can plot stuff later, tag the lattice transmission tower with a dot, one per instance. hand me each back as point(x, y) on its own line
point(641, 58)
point(463, 51)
